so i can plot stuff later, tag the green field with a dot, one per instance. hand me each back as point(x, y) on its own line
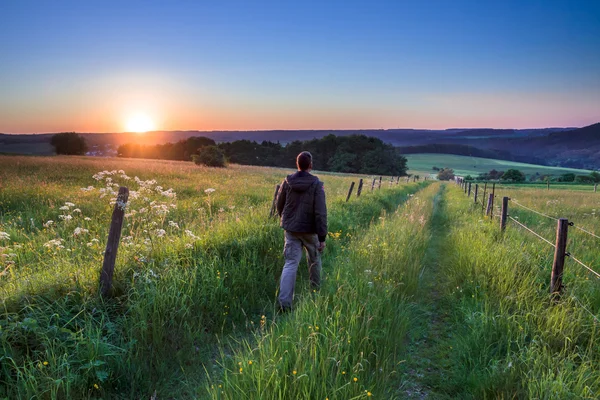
point(422, 297)
point(463, 165)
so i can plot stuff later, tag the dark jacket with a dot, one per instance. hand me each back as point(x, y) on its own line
point(301, 205)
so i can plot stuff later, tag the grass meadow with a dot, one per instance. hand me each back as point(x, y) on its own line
point(465, 165)
point(422, 296)
point(198, 264)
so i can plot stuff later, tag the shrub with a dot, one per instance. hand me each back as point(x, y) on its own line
point(446, 174)
point(211, 156)
point(69, 143)
point(514, 175)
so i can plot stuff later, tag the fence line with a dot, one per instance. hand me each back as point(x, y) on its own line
point(588, 232)
point(582, 264)
point(535, 233)
point(584, 307)
point(537, 212)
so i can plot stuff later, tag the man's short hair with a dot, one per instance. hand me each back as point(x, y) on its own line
point(304, 160)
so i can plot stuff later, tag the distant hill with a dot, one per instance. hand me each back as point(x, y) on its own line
point(567, 147)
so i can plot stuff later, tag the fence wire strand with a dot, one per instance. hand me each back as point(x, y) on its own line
point(583, 265)
point(532, 210)
point(584, 307)
point(586, 231)
point(535, 233)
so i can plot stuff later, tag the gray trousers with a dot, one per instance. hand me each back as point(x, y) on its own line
point(292, 251)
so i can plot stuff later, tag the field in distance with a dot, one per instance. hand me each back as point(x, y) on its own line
point(463, 165)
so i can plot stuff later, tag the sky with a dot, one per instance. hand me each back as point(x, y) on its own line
point(104, 66)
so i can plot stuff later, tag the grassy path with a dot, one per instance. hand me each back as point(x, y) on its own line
point(426, 364)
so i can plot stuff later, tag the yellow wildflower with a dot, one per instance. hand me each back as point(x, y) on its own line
point(96, 386)
point(294, 372)
point(355, 379)
point(45, 362)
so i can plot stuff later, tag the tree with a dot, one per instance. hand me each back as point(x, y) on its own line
point(211, 156)
point(584, 179)
point(595, 176)
point(446, 174)
point(567, 177)
point(514, 175)
point(69, 143)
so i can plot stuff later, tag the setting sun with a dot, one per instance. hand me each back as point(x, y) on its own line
point(140, 123)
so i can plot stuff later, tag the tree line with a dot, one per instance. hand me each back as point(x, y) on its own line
point(349, 154)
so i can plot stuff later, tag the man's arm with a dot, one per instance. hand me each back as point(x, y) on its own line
point(281, 198)
point(321, 213)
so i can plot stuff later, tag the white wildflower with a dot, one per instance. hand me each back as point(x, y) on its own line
point(87, 219)
point(77, 210)
point(209, 190)
point(48, 224)
point(64, 208)
point(4, 236)
point(189, 246)
point(65, 217)
point(69, 204)
point(54, 243)
point(161, 232)
point(79, 231)
point(173, 224)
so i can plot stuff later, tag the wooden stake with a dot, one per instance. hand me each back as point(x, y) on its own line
point(504, 213)
point(379, 187)
point(273, 203)
point(350, 192)
point(359, 190)
point(489, 204)
point(562, 230)
point(493, 197)
point(548, 184)
point(373, 184)
point(469, 189)
point(476, 190)
point(112, 244)
point(483, 198)
point(595, 187)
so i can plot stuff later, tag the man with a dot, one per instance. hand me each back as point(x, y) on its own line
point(301, 206)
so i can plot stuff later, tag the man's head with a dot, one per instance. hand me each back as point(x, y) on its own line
point(304, 161)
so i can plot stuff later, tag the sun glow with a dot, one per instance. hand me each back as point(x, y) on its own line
point(140, 123)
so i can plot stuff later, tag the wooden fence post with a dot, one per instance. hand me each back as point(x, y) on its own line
point(112, 244)
point(359, 190)
point(595, 187)
point(273, 208)
point(465, 187)
point(469, 189)
point(350, 192)
point(504, 213)
point(398, 180)
point(483, 198)
point(493, 198)
point(476, 190)
point(489, 204)
point(548, 184)
point(379, 187)
point(373, 184)
point(556, 285)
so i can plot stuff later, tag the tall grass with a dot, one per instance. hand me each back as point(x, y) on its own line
point(344, 342)
point(508, 339)
point(175, 292)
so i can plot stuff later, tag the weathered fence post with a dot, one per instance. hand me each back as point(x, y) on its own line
point(483, 198)
point(350, 192)
point(493, 198)
point(469, 189)
point(559, 257)
point(373, 184)
point(272, 212)
point(398, 180)
point(465, 187)
point(504, 213)
point(359, 190)
point(595, 187)
point(112, 243)
point(475, 195)
point(489, 204)
point(379, 187)
point(548, 184)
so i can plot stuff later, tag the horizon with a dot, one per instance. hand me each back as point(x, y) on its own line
point(145, 66)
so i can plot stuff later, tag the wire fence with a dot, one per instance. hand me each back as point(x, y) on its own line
point(539, 236)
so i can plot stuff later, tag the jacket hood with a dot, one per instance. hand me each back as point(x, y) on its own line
point(301, 181)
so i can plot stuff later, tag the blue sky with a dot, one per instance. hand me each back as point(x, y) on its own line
point(89, 66)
